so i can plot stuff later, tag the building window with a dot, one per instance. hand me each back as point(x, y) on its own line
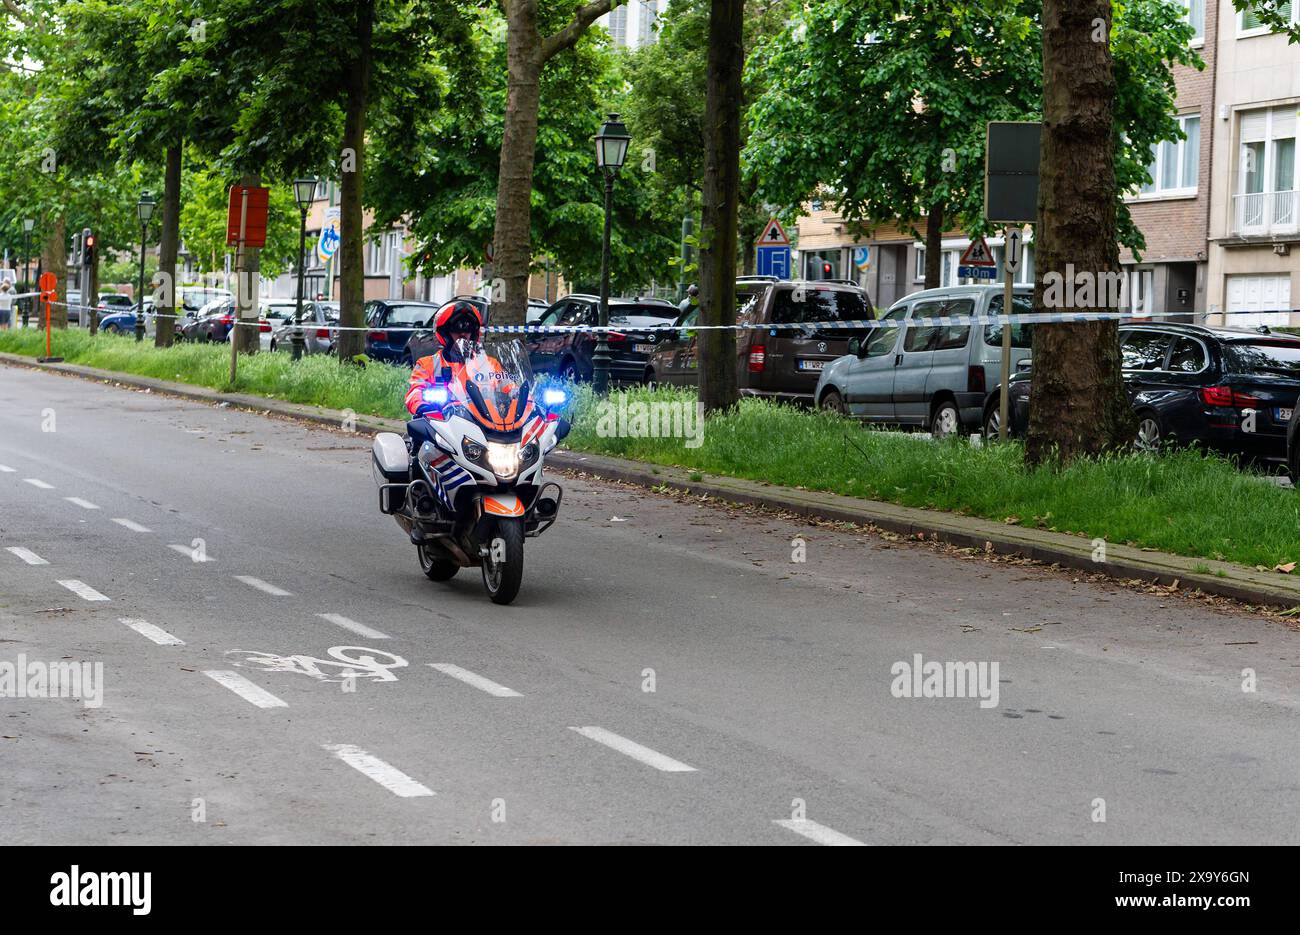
point(379, 253)
point(618, 25)
point(1175, 163)
point(1249, 23)
point(1267, 200)
point(919, 274)
point(649, 25)
point(1196, 17)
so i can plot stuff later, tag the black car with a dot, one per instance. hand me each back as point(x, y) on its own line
point(568, 354)
point(391, 323)
point(1226, 389)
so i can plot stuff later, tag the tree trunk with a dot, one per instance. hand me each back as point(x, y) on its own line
point(168, 246)
point(352, 270)
point(247, 281)
point(512, 238)
point(717, 373)
point(1079, 404)
point(55, 260)
point(934, 247)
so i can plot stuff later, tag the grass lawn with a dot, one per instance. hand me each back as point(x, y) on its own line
point(1182, 501)
point(317, 379)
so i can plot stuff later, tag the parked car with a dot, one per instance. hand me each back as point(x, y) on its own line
point(390, 324)
point(776, 362)
point(122, 321)
point(929, 376)
point(536, 309)
point(1226, 389)
point(210, 323)
point(114, 301)
point(318, 337)
point(424, 342)
point(74, 307)
point(568, 354)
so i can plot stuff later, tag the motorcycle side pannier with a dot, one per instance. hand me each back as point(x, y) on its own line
point(390, 461)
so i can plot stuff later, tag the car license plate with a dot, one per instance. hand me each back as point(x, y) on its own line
point(1282, 415)
point(811, 364)
point(643, 348)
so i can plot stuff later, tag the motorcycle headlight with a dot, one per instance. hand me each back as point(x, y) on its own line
point(503, 458)
point(473, 450)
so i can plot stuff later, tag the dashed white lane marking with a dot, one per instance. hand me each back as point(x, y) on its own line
point(244, 688)
point(390, 777)
point(147, 629)
point(83, 590)
point(84, 504)
point(131, 524)
point(633, 749)
point(262, 586)
point(819, 833)
point(27, 555)
point(188, 552)
point(37, 482)
point(349, 624)
point(6, 469)
point(473, 678)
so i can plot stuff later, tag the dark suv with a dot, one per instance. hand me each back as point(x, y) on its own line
point(782, 359)
point(568, 354)
point(1227, 389)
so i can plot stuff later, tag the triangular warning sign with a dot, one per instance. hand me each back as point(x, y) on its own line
point(773, 235)
point(978, 254)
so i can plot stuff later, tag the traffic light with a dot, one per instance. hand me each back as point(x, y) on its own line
point(88, 248)
point(826, 270)
point(76, 250)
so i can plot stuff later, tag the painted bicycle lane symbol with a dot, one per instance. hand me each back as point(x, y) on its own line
point(348, 663)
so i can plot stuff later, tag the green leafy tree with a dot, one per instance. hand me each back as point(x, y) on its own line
point(437, 176)
point(880, 105)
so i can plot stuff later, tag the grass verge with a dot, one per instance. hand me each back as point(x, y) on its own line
point(1182, 502)
point(317, 380)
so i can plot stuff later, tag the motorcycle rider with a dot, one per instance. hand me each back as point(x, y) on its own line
point(456, 326)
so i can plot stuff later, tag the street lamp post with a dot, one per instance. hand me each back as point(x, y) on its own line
point(611, 151)
point(303, 192)
point(28, 224)
point(144, 210)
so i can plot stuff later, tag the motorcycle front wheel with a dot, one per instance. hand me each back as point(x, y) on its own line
point(503, 566)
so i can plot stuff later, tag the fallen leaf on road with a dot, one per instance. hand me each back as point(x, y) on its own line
point(1011, 520)
point(1285, 569)
point(1025, 629)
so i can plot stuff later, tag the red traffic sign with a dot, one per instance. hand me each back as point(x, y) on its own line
point(773, 235)
point(254, 215)
point(978, 254)
point(48, 282)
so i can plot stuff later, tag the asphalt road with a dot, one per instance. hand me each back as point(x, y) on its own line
point(771, 718)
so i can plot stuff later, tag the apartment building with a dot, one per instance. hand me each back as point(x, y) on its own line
point(635, 23)
point(1254, 211)
point(1173, 210)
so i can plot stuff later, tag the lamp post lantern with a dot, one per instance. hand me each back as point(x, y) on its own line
point(28, 224)
point(144, 210)
point(304, 191)
point(611, 151)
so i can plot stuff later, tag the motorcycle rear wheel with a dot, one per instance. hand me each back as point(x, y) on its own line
point(502, 578)
point(434, 566)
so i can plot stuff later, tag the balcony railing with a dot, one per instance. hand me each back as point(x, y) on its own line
point(1267, 213)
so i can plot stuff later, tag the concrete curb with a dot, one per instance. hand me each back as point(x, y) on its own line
point(1239, 583)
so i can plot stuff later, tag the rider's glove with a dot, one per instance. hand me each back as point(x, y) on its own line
point(425, 408)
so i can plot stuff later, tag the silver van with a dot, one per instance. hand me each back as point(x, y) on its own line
point(936, 377)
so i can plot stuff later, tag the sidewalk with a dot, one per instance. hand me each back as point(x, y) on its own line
point(1224, 578)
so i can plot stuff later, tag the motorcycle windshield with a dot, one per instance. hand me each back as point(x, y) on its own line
point(496, 385)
